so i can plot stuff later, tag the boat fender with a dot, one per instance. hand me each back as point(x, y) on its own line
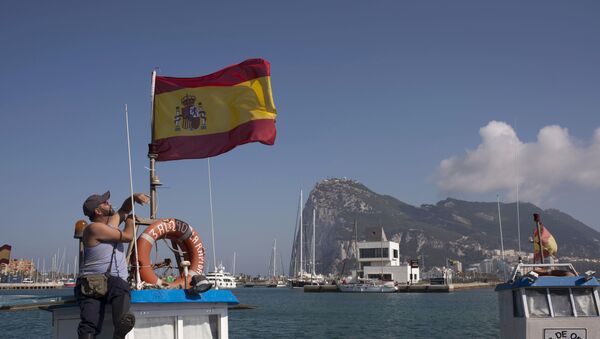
point(185, 237)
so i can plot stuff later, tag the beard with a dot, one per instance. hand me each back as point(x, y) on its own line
point(108, 213)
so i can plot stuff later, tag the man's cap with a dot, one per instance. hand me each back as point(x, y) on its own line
point(93, 201)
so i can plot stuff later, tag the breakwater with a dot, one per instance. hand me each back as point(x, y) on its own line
point(21, 286)
point(420, 288)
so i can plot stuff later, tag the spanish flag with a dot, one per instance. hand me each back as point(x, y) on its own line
point(201, 117)
point(5, 254)
point(548, 243)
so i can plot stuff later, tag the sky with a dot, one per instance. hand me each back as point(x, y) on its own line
point(420, 100)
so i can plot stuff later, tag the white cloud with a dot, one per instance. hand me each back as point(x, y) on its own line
point(540, 168)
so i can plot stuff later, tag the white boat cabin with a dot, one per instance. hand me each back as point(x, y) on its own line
point(549, 301)
point(165, 314)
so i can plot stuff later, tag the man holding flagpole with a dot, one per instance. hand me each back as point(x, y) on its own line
point(103, 277)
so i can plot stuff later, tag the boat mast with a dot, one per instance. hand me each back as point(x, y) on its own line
point(300, 208)
point(355, 247)
point(517, 177)
point(501, 239)
point(234, 263)
point(274, 258)
point(313, 242)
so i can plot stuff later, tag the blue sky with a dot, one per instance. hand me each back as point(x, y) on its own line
point(419, 100)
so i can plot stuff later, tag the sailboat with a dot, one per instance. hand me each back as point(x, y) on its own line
point(275, 280)
point(299, 276)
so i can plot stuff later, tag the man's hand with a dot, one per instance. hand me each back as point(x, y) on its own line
point(141, 198)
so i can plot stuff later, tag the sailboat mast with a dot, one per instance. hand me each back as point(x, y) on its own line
point(313, 241)
point(274, 257)
point(300, 208)
point(501, 239)
point(517, 177)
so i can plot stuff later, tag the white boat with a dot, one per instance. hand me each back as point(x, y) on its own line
point(221, 279)
point(368, 286)
point(549, 301)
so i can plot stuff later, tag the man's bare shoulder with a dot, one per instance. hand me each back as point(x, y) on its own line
point(95, 225)
point(94, 228)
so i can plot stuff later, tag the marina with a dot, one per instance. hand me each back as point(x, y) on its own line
point(286, 312)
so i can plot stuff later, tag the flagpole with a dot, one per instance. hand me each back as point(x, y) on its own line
point(152, 153)
point(538, 224)
point(212, 224)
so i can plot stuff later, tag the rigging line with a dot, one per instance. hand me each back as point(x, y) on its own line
point(212, 223)
point(137, 271)
point(175, 251)
point(517, 177)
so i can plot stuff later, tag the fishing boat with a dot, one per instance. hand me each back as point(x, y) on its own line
point(167, 306)
point(221, 279)
point(548, 300)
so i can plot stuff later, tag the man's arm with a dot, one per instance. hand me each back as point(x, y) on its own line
point(102, 232)
point(126, 208)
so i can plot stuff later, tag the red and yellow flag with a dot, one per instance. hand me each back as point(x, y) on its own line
point(5, 254)
point(205, 116)
point(548, 243)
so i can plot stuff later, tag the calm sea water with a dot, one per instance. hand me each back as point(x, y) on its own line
point(284, 312)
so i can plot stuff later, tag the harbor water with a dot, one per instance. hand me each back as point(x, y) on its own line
point(284, 312)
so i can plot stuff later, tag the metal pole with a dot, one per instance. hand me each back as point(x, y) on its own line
point(501, 239)
point(301, 263)
point(313, 242)
point(212, 223)
point(152, 154)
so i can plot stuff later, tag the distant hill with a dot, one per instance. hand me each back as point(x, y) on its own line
point(463, 230)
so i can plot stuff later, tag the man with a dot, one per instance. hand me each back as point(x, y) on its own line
point(104, 253)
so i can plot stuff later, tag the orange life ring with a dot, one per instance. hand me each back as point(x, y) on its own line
point(187, 239)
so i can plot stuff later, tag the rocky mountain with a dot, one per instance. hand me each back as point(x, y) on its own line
point(463, 230)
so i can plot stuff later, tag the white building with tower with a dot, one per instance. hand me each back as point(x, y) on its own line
point(379, 258)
